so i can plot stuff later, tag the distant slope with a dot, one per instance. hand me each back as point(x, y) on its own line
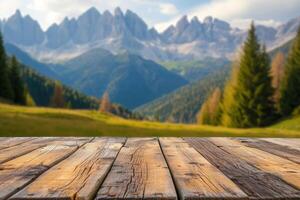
point(284, 49)
point(24, 58)
point(183, 104)
point(130, 80)
point(196, 69)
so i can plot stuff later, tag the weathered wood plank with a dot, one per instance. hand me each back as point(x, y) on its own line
point(285, 169)
point(279, 150)
point(194, 176)
point(17, 173)
point(256, 183)
point(77, 177)
point(139, 172)
point(292, 143)
point(10, 142)
point(15, 151)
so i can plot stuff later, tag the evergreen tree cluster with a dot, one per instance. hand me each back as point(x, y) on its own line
point(21, 85)
point(257, 92)
point(12, 87)
point(290, 87)
point(43, 92)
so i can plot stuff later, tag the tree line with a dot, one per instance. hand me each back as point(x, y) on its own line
point(258, 92)
point(12, 86)
point(21, 85)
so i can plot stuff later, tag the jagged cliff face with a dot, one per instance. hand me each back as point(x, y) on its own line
point(119, 32)
point(22, 30)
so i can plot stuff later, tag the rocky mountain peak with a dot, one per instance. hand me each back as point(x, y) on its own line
point(118, 12)
point(195, 20)
point(18, 13)
point(107, 14)
point(182, 23)
point(22, 30)
point(91, 13)
point(136, 25)
point(208, 20)
point(220, 24)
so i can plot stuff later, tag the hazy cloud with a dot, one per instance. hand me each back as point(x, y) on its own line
point(160, 13)
point(240, 12)
point(168, 9)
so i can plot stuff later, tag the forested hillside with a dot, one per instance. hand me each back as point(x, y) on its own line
point(129, 79)
point(183, 104)
point(42, 90)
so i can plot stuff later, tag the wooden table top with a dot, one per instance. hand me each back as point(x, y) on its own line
point(149, 168)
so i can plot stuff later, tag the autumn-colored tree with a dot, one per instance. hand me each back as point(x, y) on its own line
point(105, 105)
point(210, 110)
point(203, 115)
point(277, 72)
point(228, 97)
point(57, 100)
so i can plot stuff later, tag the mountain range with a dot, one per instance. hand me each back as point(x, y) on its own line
point(121, 32)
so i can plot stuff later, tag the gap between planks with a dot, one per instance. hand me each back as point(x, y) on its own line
point(256, 183)
point(285, 169)
point(21, 171)
point(79, 176)
point(194, 176)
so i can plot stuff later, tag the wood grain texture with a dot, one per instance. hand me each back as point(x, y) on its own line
point(194, 176)
point(15, 151)
point(256, 183)
point(15, 174)
point(285, 169)
point(10, 142)
point(139, 172)
point(279, 150)
point(77, 177)
point(292, 143)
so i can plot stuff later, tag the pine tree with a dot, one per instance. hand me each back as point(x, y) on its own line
point(253, 92)
point(17, 82)
point(290, 88)
point(105, 105)
point(57, 100)
point(5, 86)
point(210, 112)
point(228, 97)
point(277, 72)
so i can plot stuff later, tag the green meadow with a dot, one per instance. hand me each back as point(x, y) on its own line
point(32, 121)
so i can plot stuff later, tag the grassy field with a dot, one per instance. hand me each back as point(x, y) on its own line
point(25, 121)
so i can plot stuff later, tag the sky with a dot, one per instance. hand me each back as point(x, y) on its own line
point(161, 13)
